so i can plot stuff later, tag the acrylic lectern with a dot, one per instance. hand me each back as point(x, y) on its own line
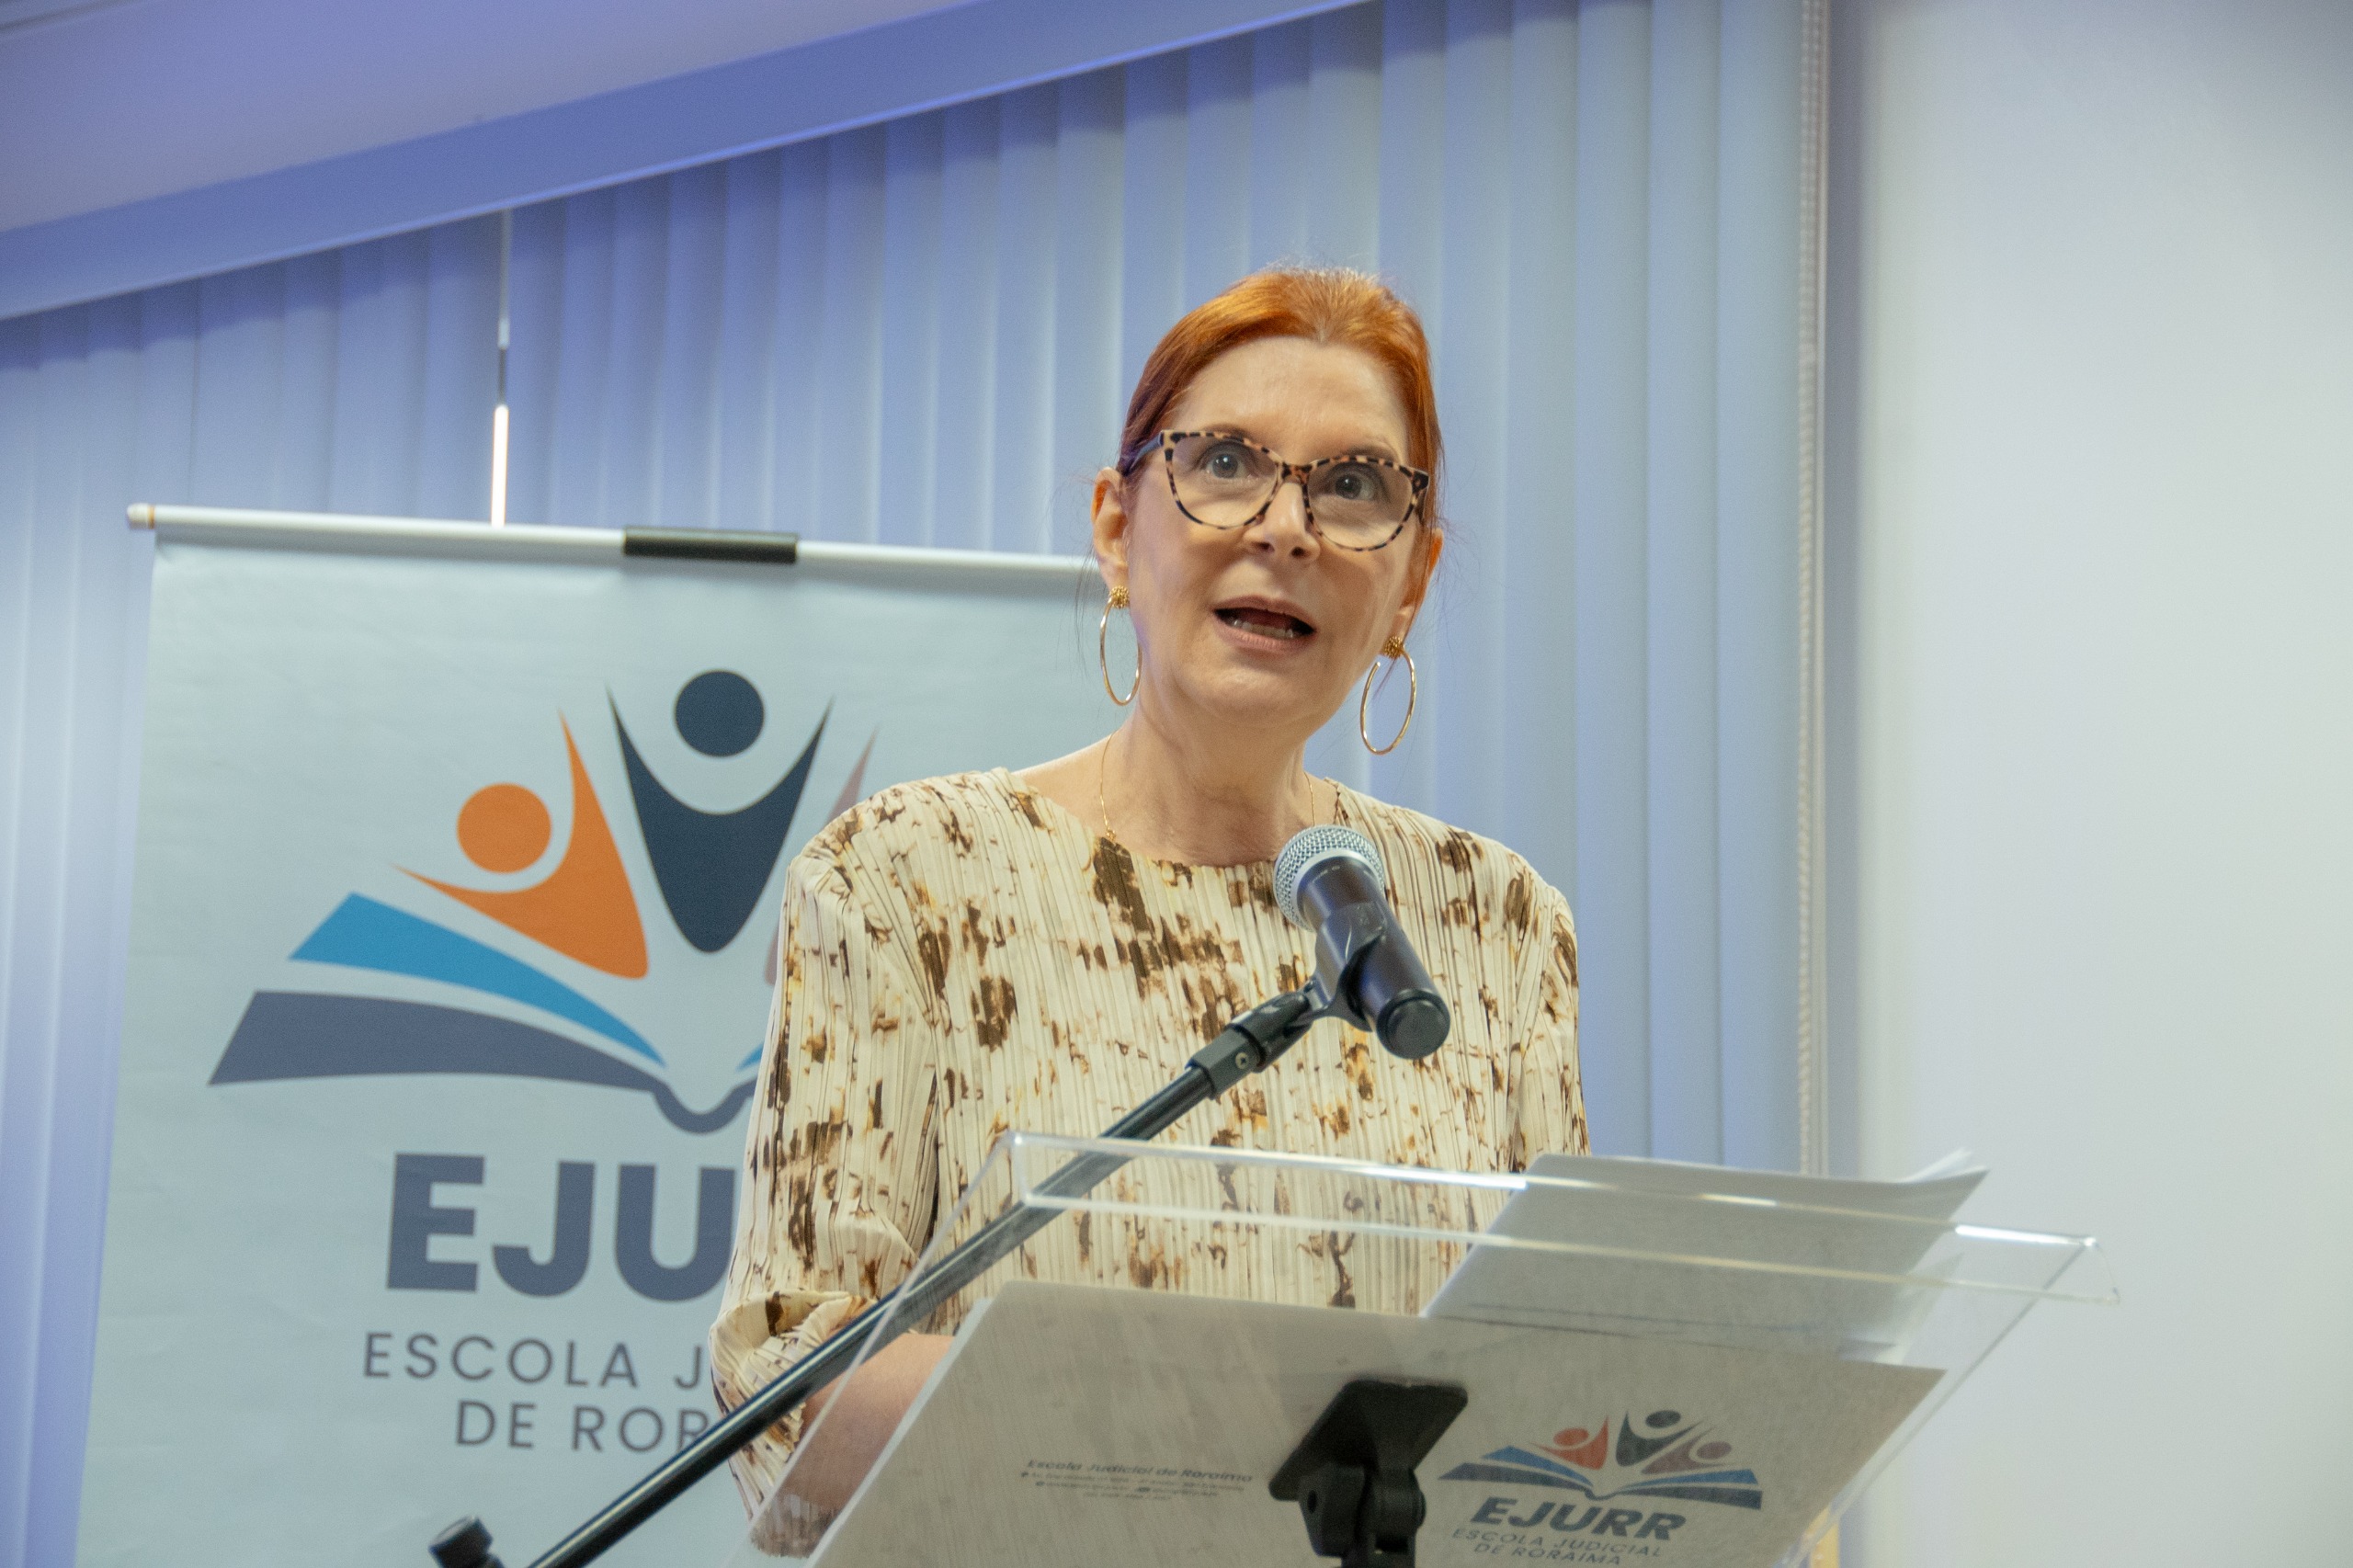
point(1165, 1355)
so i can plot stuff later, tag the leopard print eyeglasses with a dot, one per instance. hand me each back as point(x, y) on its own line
point(1221, 481)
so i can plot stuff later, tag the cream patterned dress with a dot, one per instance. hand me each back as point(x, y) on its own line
point(962, 956)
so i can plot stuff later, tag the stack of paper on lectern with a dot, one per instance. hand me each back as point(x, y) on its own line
point(1633, 1217)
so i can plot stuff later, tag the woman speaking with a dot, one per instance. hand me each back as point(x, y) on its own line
point(1045, 950)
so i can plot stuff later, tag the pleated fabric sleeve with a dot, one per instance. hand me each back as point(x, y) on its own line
point(839, 1173)
point(1548, 1110)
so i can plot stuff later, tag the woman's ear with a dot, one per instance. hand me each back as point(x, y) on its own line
point(1110, 527)
point(1418, 582)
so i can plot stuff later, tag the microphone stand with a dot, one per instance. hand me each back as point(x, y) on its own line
point(1245, 1046)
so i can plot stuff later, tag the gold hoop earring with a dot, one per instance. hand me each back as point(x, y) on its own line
point(1393, 649)
point(1119, 600)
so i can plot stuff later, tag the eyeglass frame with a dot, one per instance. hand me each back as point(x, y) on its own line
point(1288, 472)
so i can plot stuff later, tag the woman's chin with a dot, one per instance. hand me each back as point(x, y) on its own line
point(1262, 700)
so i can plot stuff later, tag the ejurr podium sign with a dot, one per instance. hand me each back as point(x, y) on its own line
point(454, 913)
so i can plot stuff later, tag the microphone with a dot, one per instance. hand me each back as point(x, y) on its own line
point(1330, 880)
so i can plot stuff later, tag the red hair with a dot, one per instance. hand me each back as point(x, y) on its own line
point(1327, 305)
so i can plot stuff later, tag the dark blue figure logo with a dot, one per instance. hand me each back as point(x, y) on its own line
point(714, 865)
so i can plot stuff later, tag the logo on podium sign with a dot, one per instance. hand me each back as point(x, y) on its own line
point(710, 868)
point(1617, 1486)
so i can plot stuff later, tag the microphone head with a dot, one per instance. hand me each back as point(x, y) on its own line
point(1311, 848)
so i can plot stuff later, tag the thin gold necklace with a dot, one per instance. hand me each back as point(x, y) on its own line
point(1103, 797)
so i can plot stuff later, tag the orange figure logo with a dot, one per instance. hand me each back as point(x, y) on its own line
point(584, 909)
point(1589, 1451)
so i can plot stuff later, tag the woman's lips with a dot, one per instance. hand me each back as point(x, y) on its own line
point(1271, 624)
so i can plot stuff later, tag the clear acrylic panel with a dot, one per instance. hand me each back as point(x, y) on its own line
point(1152, 1328)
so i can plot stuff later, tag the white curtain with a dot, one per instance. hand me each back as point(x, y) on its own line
point(923, 333)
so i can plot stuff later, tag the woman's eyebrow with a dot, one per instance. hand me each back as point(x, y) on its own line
point(1370, 447)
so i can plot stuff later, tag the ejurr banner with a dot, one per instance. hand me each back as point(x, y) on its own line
point(455, 912)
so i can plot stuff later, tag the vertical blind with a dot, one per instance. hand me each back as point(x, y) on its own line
point(923, 333)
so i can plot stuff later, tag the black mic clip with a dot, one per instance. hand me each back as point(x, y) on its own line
point(1341, 943)
point(1251, 1042)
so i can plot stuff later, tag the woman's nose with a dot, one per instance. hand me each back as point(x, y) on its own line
point(1282, 528)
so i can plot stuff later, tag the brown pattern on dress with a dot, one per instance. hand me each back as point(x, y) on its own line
point(962, 955)
point(993, 1006)
point(931, 947)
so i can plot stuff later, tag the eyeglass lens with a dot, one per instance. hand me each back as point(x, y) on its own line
point(1224, 482)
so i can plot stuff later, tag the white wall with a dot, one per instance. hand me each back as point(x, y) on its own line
point(2094, 651)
